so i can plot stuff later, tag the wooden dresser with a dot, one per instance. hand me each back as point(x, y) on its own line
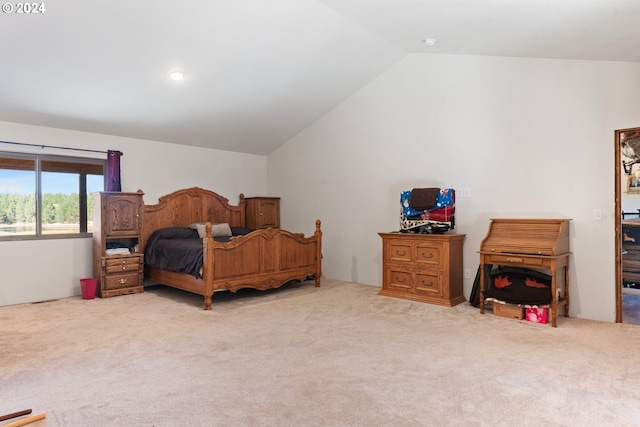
point(117, 221)
point(529, 243)
point(423, 267)
point(262, 212)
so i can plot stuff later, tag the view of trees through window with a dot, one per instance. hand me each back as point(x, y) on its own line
point(65, 205)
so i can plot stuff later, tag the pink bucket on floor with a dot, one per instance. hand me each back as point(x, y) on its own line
point(88, 287)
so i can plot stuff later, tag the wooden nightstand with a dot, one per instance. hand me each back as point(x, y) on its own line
point(262, 212)
point(117, 222)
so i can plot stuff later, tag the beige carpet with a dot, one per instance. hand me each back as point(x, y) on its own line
point(631, 306)
point(338, 355)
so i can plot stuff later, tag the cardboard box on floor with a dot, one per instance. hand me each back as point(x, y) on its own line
point(510, 311)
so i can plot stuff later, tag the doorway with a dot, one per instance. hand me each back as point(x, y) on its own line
point(627, 225)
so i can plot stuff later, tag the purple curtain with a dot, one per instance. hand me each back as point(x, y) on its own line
point(113, 171)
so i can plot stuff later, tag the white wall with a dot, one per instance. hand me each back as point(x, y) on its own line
point(37, 270)
point(528, 137)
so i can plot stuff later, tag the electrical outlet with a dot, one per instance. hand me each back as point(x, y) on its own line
point(466, 192)
point(597, 215)
point(467, 273)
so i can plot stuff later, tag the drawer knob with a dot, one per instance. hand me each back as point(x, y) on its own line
point(427, 255)
point(427, 283)
point(122, 281)
point(401, 253)
point(400, 279)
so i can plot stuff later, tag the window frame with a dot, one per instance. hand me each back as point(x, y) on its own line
point(84, 217)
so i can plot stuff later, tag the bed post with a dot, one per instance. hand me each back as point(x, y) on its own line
point(207, 273)
point(318, 236)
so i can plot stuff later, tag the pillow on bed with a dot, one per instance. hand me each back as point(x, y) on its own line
point(217, 230)
point(173, 233)
point(240, 231)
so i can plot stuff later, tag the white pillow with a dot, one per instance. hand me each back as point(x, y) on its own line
point(220, 229)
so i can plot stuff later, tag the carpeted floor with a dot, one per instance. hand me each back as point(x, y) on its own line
point(338, 355)
point(631, 307)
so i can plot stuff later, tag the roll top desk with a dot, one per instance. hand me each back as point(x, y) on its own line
point(529, 243)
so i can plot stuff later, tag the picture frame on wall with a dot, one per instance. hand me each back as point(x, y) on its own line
point(633, 184)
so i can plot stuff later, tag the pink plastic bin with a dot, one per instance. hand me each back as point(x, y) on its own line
point(88, 287)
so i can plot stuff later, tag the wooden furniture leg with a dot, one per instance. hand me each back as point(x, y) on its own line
point(554, 299)
point(481, 293)
point(566, 288)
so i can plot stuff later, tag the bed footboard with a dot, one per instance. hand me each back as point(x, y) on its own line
point(263, 259)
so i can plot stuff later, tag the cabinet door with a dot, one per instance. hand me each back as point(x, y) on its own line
point(269, 214)
point(122, 215)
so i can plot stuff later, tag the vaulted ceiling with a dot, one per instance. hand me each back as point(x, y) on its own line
point(257, 72)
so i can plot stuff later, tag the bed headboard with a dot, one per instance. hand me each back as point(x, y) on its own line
point(184, 207)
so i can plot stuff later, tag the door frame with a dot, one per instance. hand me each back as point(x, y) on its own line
point(618, 219)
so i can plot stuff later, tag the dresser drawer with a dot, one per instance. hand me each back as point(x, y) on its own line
point(428, 284)
point(428, 255)
point(120, 264)
point(630, 264)
point(631, 276)
point(415, 282)
point(400, 252)
point(400, 280)
point(118, 281)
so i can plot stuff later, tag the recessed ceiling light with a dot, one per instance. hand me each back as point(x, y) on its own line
point(429, 42)
point(176, 75)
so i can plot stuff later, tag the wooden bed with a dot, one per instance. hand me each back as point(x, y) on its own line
point(262, 259)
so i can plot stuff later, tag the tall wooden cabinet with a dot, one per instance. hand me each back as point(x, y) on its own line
point(117, 224)
point(262, 212)
point(423, 267)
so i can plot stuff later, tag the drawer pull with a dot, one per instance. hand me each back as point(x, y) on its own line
point(122, 281)
point(515, 260)
point(427, 255)
point(403, 253)
point(400, 279)
point(427, 283)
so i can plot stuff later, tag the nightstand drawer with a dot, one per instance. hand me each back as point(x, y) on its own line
point(118, 265)
point(118, 281)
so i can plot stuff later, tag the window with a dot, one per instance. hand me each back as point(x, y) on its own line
point(47, 196)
